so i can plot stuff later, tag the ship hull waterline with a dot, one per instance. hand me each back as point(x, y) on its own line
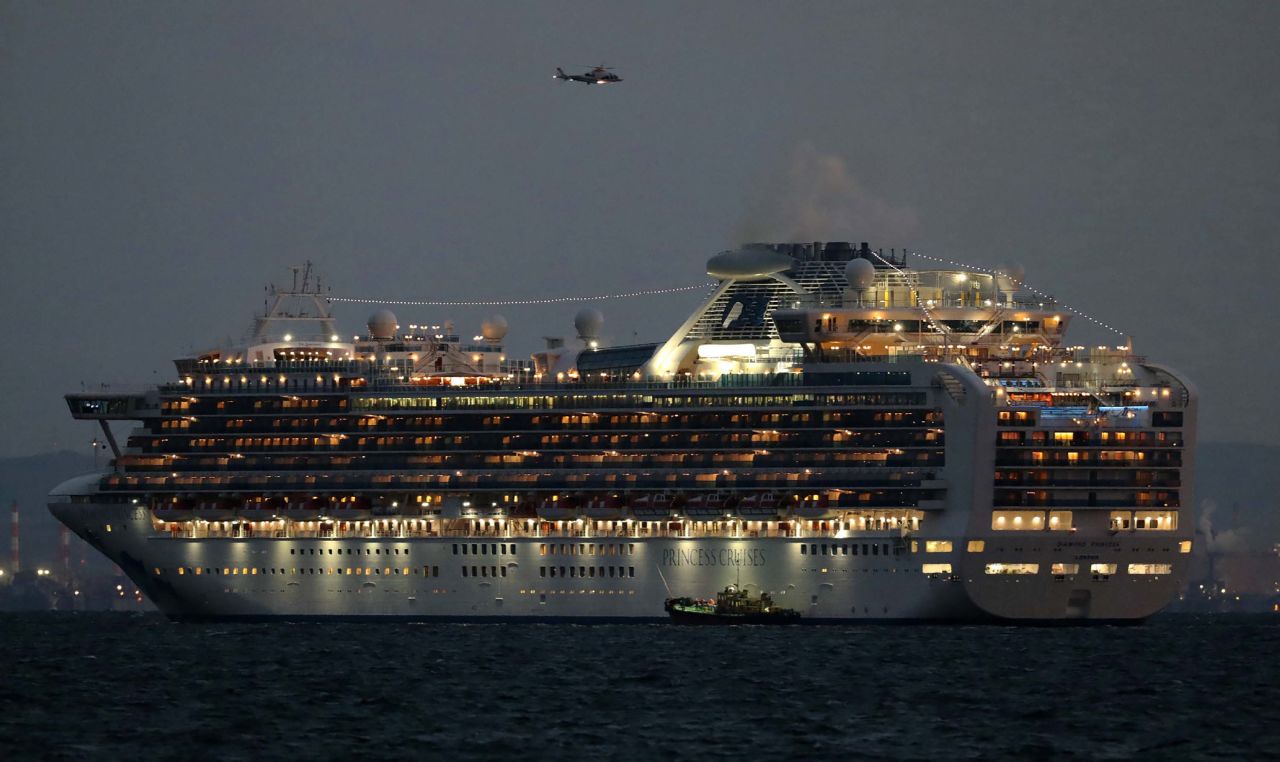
point(303, 579)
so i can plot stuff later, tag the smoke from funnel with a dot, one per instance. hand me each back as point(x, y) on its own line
point(816, 198)
point(1229, 541)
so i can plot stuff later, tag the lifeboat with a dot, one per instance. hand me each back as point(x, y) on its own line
point(384, 508)
point(563, 509)
point(812, 507)
point(651, 507)
point(705, 507)
point(349, 508)
point(173, 509)
point(525, 509)
point(603, 508)
point(215, 509)
point(759, 506)
point(259, 509)
point(301, 509)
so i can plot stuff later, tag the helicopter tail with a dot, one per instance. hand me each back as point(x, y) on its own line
point(561, 75)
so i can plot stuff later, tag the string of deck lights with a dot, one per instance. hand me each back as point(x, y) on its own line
point(521, 302)
point(1025, 285)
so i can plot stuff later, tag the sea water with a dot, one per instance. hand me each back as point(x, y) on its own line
point(127, 686)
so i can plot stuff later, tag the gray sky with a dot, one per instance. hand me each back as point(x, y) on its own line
point(161, 162)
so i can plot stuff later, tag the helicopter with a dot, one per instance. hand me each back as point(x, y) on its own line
point(600, 75)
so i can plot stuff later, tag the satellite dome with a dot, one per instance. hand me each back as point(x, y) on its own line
point(1013, 272)
point(860, 273)
point(588, 321)
point(383, 324)
point(494, 328)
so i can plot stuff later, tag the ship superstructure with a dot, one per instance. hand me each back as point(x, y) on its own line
point(859, 439)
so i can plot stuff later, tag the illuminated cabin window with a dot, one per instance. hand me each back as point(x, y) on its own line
point(1061, 570)
point(1102, 570)
point(1121, 520)
point(1151, 568)
point(1060, 521)
point(1017, 520)
point(936, 568)
point(1064, 436)
point(977, 546)
point(1013, 568)
point(1157, 520)
point(1184, 546)
point(937, 546)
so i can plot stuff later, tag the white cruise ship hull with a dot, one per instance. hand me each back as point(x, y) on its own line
point(510, 579)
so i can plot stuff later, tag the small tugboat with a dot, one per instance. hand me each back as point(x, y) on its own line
point(731, 606)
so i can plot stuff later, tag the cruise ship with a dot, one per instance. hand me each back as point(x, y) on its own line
point(861, 439)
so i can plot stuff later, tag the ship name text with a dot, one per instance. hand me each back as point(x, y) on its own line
point(713, 557)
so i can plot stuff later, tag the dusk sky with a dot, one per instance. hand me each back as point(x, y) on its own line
point(162, 162)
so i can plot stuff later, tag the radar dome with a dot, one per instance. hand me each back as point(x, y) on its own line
point(383, 324)
point(860, 273)
point(588, 321)
point(494, 328)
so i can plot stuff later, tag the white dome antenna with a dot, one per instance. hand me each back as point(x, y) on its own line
point(588, 321)
point(494, 328)
point(1013, 271)
point(860, 273)
point(383, 324)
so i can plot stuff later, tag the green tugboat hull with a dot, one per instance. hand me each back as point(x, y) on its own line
point(732, 607)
